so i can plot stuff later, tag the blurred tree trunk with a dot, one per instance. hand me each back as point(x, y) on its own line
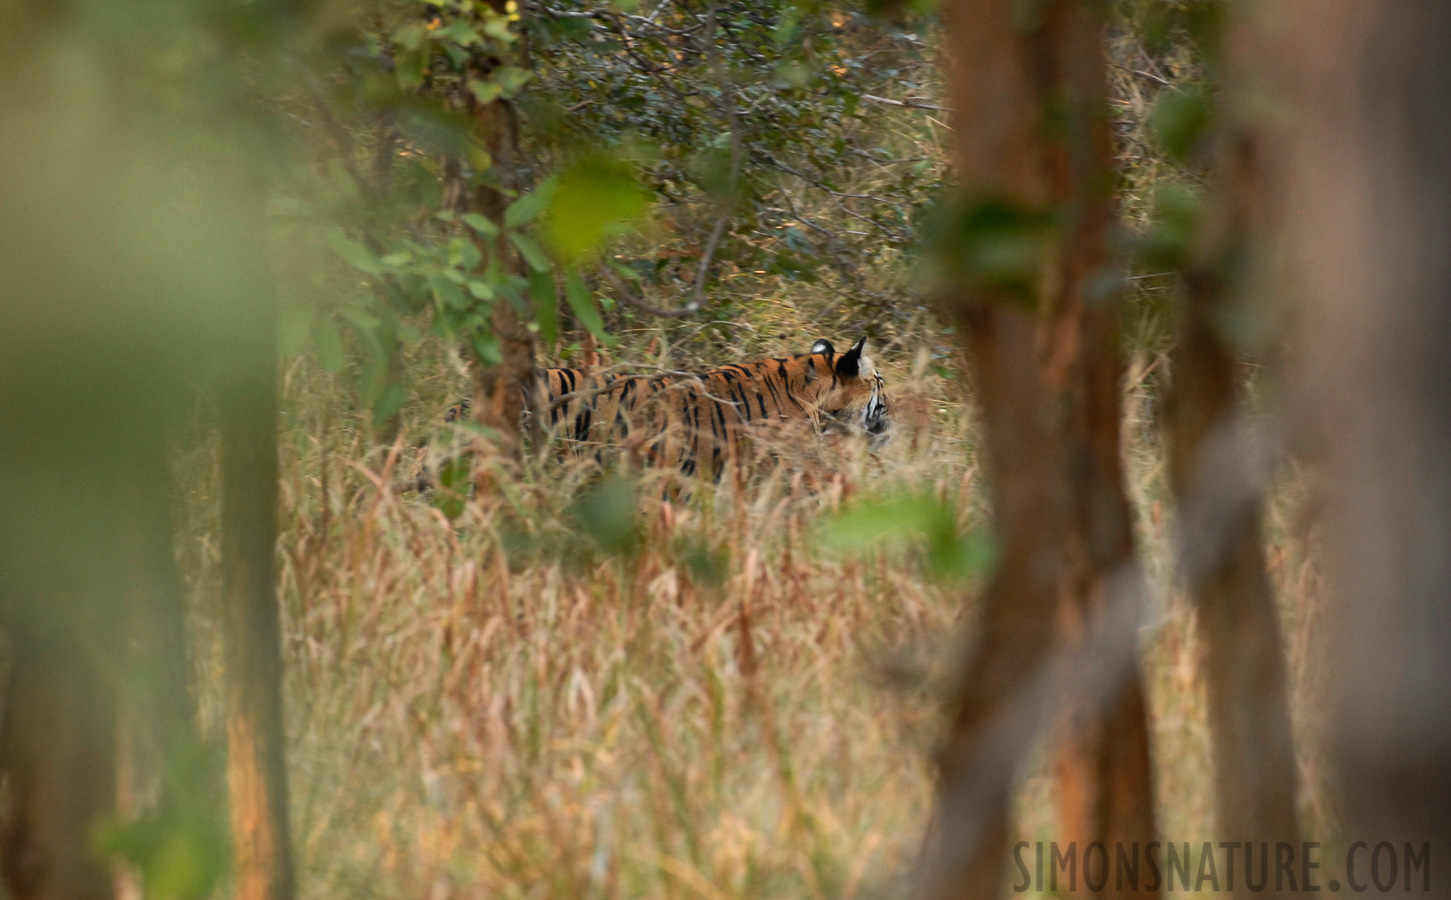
point(1366, 211)
point(500, 390)
point(1034, 161)
point(59, 759)
point(1244, 671)
point(252, 631)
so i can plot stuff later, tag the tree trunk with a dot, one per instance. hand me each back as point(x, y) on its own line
point(256, 760)
point(1366, 210)
point(59, 759)
point(1028, 85)
point(1244, 671)
point(500, 390)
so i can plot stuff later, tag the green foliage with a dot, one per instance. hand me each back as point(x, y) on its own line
point(605, 515)
point(402, 224)
point(182, 849)
point(993, 244)
point(739, 119)
point(752, 107)
point(912, 520)
point(1177, 211)
point(597, 196)
point(1169, 26)
point(453, 487)
point(583, 306)
point(707, 565)
point(1181, 122)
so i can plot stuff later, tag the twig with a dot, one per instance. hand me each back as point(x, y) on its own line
point(906, 104)
point(337, 133)
point(1149, 75)
point(629, 297)
point(815, 182)
point(727, 95)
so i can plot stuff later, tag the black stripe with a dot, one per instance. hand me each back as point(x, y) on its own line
point(775, 395)
point(715, 406)
point(742, 405)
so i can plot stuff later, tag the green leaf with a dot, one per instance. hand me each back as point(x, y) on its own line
point(361, 318)
point(354, 253)
point(1177, 211)
point(487, 349)
point(481, 223)
point(546, 306)
point(410, 65)
point(864, 524)
point(390, 399)
point(294, 326)
point(597, 197)
point(279, 207)
point(921, 521)
point(994, 244)
point(528, 207)
point(410, 36)
point(584, 306)
point(533, 254)
point(511, 78)
point(328, 342)
point(463, 253)
point(486, 91)
point(606, 512)
point(453, 486)
point(626, 272)
point(460, 32)
point(497, 27)
point(480, 290)
point(1181, 120)
point(447, 294)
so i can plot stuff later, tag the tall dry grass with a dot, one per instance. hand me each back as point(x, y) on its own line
point(498, 706)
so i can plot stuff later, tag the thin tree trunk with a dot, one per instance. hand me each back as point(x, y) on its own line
point(1028, 84)
point(1244, 670)
point(59, 758)
point(256, 761)
point(500, 390)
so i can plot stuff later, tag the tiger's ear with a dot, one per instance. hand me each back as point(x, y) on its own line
point(823, 346)
point(849, 366)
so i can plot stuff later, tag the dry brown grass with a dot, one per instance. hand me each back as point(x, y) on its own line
point(495, 707)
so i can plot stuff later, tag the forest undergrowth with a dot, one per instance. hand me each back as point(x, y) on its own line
point(577, 689)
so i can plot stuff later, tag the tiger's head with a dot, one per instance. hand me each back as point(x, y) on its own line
point(858, 393)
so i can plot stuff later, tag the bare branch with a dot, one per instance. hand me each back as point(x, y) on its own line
point(906, 104)
point(629, 297)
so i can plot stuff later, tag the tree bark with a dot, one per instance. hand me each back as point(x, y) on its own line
point(500, 390)
point(59, 759)
point(1366, 199)
point(1244, 671)
point(1029, 84)
point(256, 759)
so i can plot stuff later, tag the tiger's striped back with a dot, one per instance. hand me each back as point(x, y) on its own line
point(696, 420)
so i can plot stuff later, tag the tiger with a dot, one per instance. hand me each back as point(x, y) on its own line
point(696, 422)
